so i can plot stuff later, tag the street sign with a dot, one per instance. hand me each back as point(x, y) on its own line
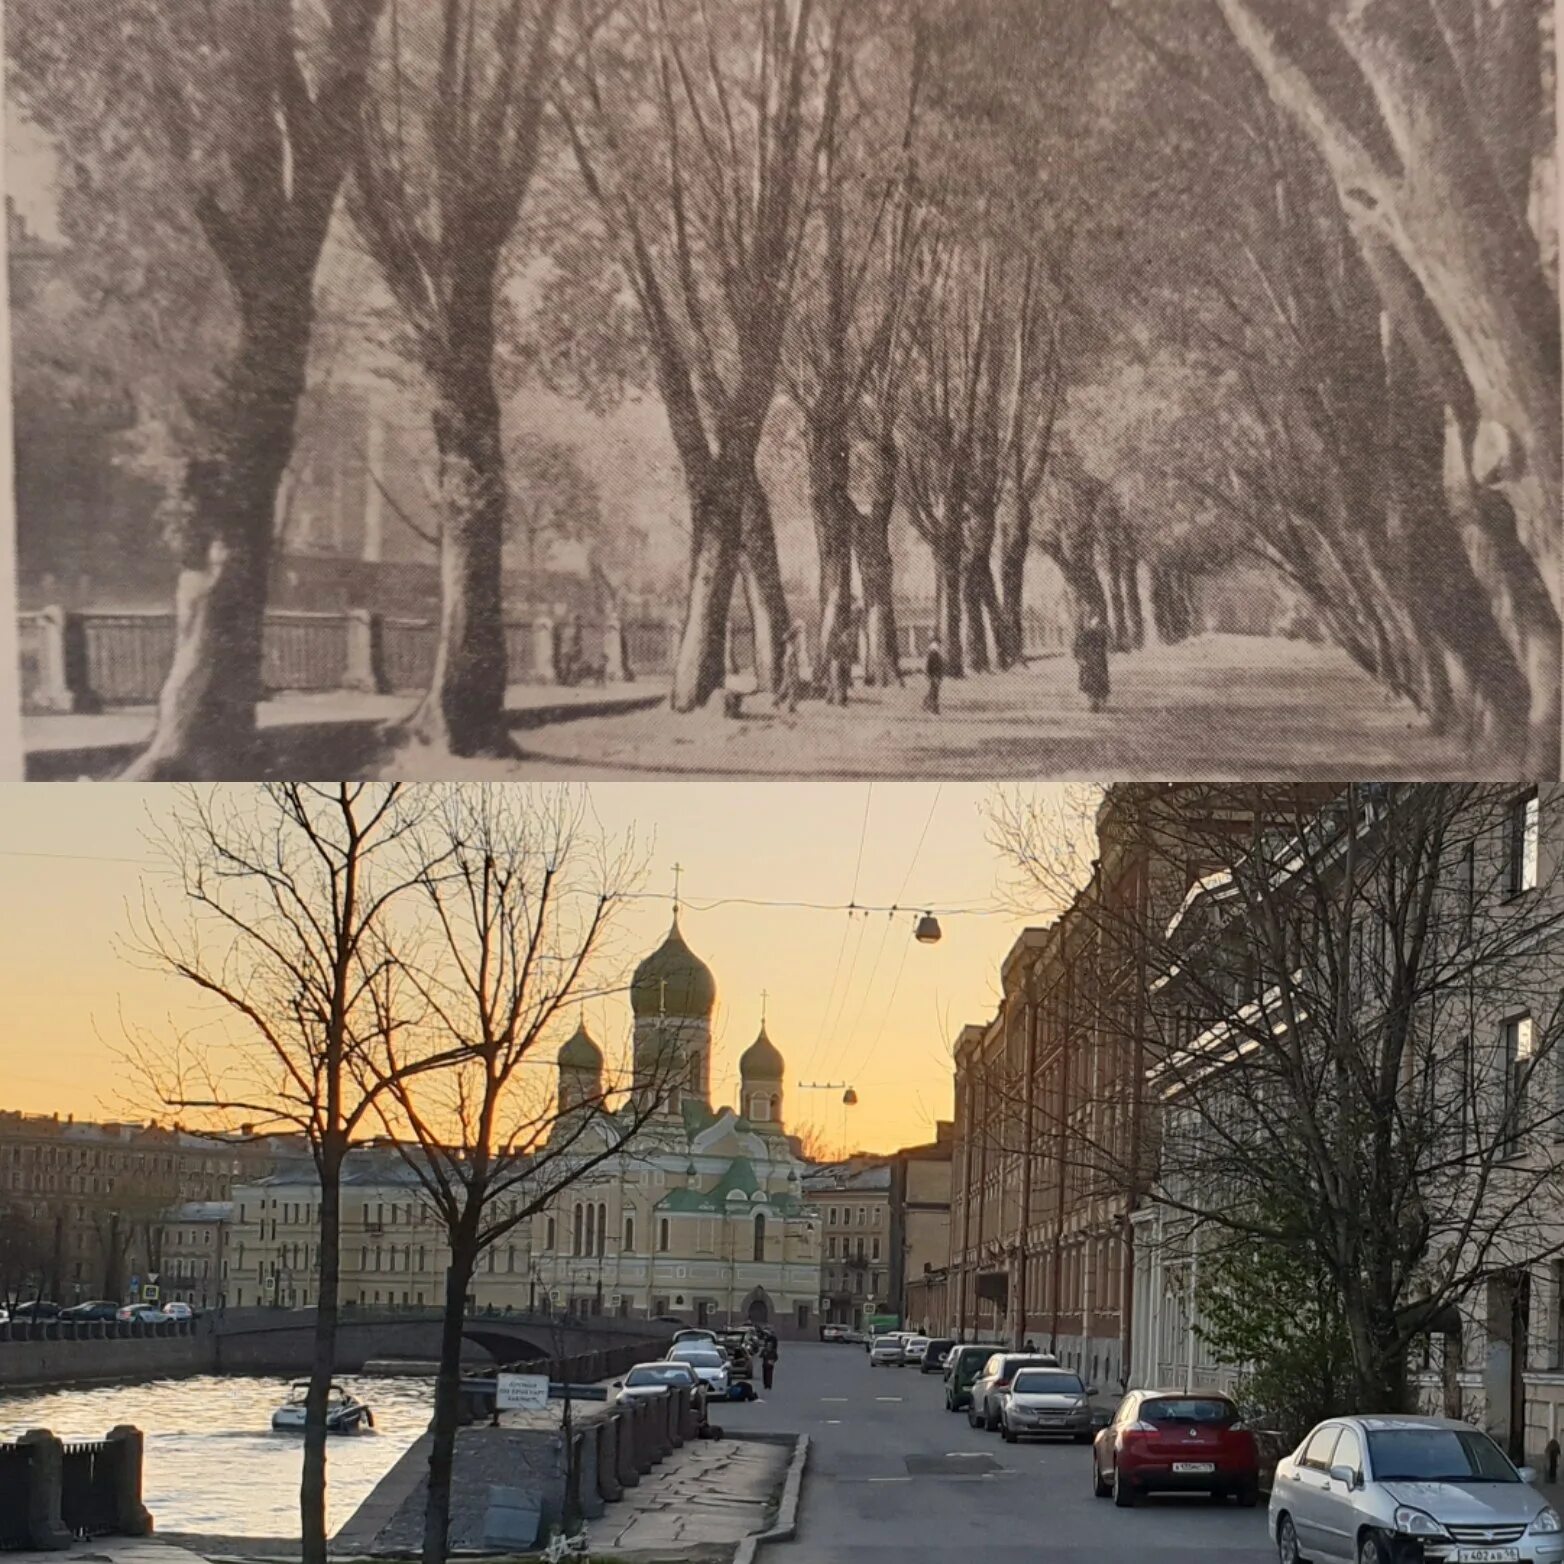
point(135, 1282)
point(521, 1393)
point(151, 1276)
point(149, 1294)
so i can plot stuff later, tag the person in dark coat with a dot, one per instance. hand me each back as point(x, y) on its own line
point(792, 675)
point(934, 667)
point(1090, 650)
point(768, 1360)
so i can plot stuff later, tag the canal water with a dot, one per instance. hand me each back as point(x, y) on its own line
point(213, 1464)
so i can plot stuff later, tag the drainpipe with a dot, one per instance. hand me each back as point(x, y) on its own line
point(1194, 1278)
point(1028, 1140)
point(1127, 1321)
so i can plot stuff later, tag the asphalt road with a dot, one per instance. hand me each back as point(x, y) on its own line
point(894, 1477)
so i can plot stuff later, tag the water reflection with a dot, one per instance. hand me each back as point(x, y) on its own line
point(213, 1464)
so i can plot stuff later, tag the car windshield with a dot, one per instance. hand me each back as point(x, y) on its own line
point(674, 1374)
point(1186, 1409)
point(941, 1346)
point(705, 1360)
point(1047, 1382)
point(1452, 1455)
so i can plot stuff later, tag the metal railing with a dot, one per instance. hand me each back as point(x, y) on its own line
point(15, 1485)
point(89, 1488)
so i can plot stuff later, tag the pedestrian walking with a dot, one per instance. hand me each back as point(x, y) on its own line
point(792, 675)
point(768, 1361)
point(1090, 650)
point(934, 667)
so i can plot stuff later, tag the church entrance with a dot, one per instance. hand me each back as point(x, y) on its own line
point(759, 1312)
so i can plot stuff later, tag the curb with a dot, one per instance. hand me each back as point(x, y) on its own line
point(786, 1525)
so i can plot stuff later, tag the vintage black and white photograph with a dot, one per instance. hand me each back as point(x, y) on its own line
point(506, 389)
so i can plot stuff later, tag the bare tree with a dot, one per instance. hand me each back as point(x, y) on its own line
point(448, 142)
point(514, 905)
point(1351, 1020)
point(697, 131)
point(276, 912)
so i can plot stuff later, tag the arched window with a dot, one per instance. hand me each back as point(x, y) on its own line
point(575, 1247)
point(591, 1229)
point(760, 1235)
point(602, 1227)
point(662, 1235)
point(548, 1234)
point(629, 1234)
point(760, 1108)
point(693, 1076)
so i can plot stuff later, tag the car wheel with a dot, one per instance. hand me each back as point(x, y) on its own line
point(1372, 1550)
point(1287, 1542)
point(1100, 1489)
point(1248, 1494)
point(972, 1421)
point(1124, 1494)
point(1083, 1439)
point(1008, 1432)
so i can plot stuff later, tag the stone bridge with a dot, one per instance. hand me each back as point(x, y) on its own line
point(282, 1340)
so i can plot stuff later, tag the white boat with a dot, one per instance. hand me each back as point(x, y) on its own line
point(345, 1413)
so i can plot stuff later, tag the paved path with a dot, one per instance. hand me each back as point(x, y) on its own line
point(895, 1479)
point(1222, 706)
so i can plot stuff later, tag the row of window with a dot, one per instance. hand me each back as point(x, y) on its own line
point(867, 1215)
point(830, 1248)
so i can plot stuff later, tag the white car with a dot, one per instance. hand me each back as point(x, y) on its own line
point(913, 1348)
point(885, 1351)
point(695, 1333)
point(710, 1366)
point(178, 1309)
point(145, 1313)
point(646, 1381)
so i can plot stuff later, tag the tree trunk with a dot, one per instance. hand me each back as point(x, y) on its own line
point(1134, 614)
point(464, 710)
point(699, 668)
point(949, 564)
point(763, 586)
point(876, 574)
point(447, 1401)
point(831, 504)
point(974, 602)
point(1015, 541)
point(205, 728)
point(323, 1361)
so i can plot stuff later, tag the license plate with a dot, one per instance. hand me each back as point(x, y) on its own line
point(1487, 1555)
point(1194, 1466)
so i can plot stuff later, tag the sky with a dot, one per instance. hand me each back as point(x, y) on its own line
point(852, 999)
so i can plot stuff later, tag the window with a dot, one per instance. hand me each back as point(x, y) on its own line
point(1468, 893)
point(629, 1234)
point(760, 1235)
point(1519, 1045)
point(602, 1227)
point(1348, 1452)
point(830, 1248)
point(862, 1215)
point(874, 1252)
point(548, 1234)
point(662, 1237)
point(591, 1230)
point(1524, 831)
point(879, 1211)
point(577, 1231)
point(1322, 1443)
point(833, 1216)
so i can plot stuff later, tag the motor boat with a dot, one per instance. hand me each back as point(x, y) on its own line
point(345, 1413)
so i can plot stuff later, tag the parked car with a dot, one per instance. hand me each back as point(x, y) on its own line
point(913, 1348)
point(645, 1381)
point(36, 1309)
point(740, 1347)
point(144, 1313)
point(178, 1309)
point(695, 1333)
point(1050, 1402)
point(708, 1363)
point(885, 1352)
point(992, 1384)
point(833, 1333)
point(934, 1354)
point(857, 1337)
point(1373, 1489)
point(1161, 1440)
point(95, 1309)
point(962, 1367)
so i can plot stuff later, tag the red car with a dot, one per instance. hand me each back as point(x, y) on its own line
point(1170, 1440)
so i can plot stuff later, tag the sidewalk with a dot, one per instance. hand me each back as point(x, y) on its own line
point(331, 726)
point(703, 1500)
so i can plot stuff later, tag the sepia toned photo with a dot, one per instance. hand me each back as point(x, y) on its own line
point(785, 388)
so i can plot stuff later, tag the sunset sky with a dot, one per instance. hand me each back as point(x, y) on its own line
point(851, 999)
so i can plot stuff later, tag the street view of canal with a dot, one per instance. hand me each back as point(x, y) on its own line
point(213, 1464)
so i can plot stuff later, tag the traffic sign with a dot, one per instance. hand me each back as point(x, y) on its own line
point(149, 1294)
point(521, 1393)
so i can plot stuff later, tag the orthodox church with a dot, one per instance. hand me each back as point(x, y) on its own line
point(700, 1216)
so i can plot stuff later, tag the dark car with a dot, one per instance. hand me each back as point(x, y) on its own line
point(963, 1366)
point(740, 1349)
point(1163, 1440)
point(934, 1354)
point(36, 1309)
point(96, 1309)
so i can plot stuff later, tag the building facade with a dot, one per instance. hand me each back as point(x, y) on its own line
point(94, 1197)
point(920, 1217)
point(193, 1254)
point(858, 1257)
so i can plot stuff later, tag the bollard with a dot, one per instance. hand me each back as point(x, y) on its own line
point(589, 1500)
point(131, 1517)
point(644, 1459)
point(626, 1472)
point(45, 1490)
point(674, 1420)
point(690, 1413)
point(609, 1487)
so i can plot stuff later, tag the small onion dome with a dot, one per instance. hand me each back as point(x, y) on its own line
point(581, 1053)
point(673, 981)
point(761, 1061)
